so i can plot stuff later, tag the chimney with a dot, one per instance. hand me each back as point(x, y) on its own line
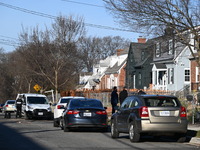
point(141, 39)
point(119, 52)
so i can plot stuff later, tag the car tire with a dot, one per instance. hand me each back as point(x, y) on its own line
point(55, 123)
point(114, 131)
point(26, 116)
point(181, 138)
point(66, 129)
point(61, 124)
point(134, 134)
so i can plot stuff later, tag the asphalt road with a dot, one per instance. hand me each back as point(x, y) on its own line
point(20, 134)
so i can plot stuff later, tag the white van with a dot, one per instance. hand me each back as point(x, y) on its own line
point(35, 106)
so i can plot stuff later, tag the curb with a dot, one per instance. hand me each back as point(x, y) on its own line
point(195, 140)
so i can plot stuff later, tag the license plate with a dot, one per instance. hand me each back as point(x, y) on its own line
point(87, 114)
point(164, 113)
point(40, 113)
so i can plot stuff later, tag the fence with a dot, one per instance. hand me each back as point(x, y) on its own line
point(104, 96)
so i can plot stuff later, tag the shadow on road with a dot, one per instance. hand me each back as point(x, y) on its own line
point(12, 140)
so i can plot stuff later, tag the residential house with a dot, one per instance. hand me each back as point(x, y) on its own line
point(139, 68)
point(108, 72)
point(171, 64)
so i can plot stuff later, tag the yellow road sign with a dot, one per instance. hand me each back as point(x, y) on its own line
point(37, 87)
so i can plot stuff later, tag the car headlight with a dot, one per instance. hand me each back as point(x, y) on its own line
point(29, 107)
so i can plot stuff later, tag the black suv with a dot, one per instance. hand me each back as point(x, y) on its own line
point(150, 114)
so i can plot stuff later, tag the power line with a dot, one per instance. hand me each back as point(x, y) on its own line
point(54, 17)
point(83, 3)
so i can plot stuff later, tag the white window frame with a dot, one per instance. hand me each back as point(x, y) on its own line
point(188, 70)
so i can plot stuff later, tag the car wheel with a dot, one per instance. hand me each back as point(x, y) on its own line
point(134, 134)
point(66, 129)
point(55, 123)
point(61, 124)
point(26, 116)
point(181, 138)
point(114, 131)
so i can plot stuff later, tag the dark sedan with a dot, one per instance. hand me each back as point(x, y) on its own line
point(84, 113)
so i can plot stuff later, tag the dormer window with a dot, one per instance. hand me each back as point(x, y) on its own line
point(158, 50)
point(170, 47)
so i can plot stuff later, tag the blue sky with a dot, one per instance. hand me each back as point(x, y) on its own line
point(12, 19)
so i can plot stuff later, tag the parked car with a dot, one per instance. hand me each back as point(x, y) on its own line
point(35, 106)
point(1, 107)
point(8, 108)
point(84, 113)
point(60, 107)
point(156, 115)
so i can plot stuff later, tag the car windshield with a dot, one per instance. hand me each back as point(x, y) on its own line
point(37, 100)
point(65, 100)
point(10, 102)
point(86, 103)
point(161, 101)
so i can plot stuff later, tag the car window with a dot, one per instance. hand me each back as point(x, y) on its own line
point(10, 102)
point(161, 102)
point(65, 100)
point(85, 103)
point(133, 103)
point(126, 103)
point(37, 100)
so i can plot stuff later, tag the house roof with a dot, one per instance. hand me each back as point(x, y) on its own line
point(115, 68)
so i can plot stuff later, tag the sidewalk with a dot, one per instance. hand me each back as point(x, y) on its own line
point(194, 127)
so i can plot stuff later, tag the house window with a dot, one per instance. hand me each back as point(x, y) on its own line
point(142, 55)
point(140, 79)
point(170, 47)
point(157, 49)
point(171, 76)
point(187, 75)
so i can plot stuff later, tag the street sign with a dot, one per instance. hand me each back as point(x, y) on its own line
point(37, 87)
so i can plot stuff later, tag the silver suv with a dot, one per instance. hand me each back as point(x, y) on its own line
point(150, 114)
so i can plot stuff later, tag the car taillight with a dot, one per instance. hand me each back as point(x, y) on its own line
point(183, 112)
point(72, 112)
point(6, 105)
point(143, 111)
point(101, 112)
point(59, 106)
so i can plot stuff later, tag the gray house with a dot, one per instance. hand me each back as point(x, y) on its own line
point(139, 67)
point(171, 65)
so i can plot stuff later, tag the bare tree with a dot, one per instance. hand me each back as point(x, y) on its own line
point(94, 49)
point(51, 56)
point(153, 16)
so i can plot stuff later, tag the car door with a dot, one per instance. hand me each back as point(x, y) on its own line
point(123, 114)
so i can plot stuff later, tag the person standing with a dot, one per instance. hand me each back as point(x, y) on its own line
point(114, 99)
point(19, 107)
point(122, 95)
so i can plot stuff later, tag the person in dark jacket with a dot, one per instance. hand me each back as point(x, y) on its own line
point(114, 99)
point(19, 107)
point(122, 95)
